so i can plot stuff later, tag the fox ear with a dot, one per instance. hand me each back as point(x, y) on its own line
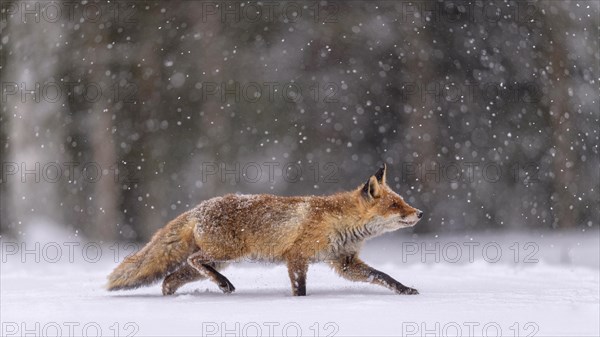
point(372, 189)
point(380, 175)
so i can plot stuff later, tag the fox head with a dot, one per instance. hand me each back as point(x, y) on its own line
point(383, 208)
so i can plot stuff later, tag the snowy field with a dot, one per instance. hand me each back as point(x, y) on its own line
point(485, 284)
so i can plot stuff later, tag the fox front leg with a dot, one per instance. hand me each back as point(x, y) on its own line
point(297, 270)
point(352, 268)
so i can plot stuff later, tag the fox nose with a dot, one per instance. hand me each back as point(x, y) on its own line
point(419, 214)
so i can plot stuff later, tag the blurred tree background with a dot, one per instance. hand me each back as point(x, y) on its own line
point(118, 116)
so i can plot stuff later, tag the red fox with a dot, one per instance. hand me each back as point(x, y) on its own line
point(294, 230)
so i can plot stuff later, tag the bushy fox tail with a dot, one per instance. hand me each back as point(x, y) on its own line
point(167, 250)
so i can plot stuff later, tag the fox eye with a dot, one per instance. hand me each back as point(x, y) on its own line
point(395, 205)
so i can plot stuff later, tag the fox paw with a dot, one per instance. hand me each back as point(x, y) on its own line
point(407, 291)
point(167, 290)
point(227, 288)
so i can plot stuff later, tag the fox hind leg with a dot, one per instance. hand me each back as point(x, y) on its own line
point(178, 278)
point(206, 268)
point(185, 274)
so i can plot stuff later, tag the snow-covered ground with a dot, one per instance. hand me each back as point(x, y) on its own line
point(538, 285)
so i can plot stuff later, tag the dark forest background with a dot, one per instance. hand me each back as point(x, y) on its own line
point(116, 117)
